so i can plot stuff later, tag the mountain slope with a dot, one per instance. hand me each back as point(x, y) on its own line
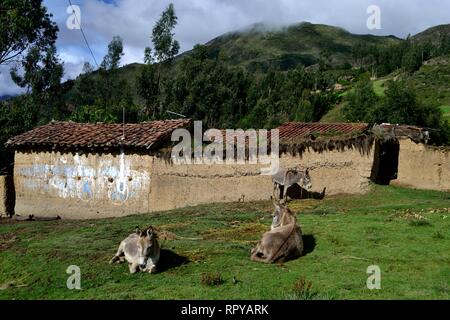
point(432, 34)
point(430, 83)
point(260, 46)
point(6, 97)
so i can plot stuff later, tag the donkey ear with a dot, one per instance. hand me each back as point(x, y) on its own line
point(149, 231)
point(137, 230)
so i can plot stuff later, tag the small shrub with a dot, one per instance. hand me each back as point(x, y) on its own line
point(445, 195)
point(212, 279)
point(438, 235)
point(334, 240)
point(415, 219)
point(322, 211)
point(419, 222)
point(302, 290)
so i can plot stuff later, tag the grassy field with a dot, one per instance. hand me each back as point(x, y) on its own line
point(446, 112)
point(379, 87)
point(335, 114)
point(405, 232)
point(431, 81)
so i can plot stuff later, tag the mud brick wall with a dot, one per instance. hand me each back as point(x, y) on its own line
point(74, 185)
point(423, 167)
point(175, 186)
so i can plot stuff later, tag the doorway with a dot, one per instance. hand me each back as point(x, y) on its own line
point(385, 164)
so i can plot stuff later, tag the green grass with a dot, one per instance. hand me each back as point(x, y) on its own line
point(379, 87)
point(446, 112)
point(343, 236)
point(430, 84)
point(260, 46)
point(432, 81)
point(335, 114)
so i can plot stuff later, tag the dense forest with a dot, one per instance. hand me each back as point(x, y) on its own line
point(299, 73)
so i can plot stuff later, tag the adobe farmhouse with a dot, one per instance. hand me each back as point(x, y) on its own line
point(79, 171)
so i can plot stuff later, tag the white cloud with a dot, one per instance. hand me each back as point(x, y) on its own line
point(7, 86)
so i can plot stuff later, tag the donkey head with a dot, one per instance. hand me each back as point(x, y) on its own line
point(281, 215)
point(305, 180)
point(145, 243)
point(302, 177)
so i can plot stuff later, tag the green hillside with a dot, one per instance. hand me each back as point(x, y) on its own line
point(432, 34)
point(432, 81)
point(256, 75)
point(260, 46)
point(446, 111)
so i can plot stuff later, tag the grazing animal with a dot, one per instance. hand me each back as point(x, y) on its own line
point(283, 242)
point(141, 249)
point(289, 177)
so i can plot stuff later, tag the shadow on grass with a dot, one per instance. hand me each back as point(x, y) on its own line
point(169, 260)
point(297, 192)
point(309, 243)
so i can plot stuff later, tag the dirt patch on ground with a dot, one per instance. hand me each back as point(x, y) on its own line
point(166, 235)
point(195, 255)
point(303, 205)
point(6, 220)
point(171, 226)
point(414, 214)
point(237, 232)
point(11, 284)
point(7, 240)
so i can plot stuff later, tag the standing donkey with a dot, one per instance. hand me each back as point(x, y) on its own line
point(289, 177)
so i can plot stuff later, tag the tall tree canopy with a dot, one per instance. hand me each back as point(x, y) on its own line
point(361, 101)
point(42, 70)
point(23, 24)
point(115, 52)
point(165, 46)
point(152, 76)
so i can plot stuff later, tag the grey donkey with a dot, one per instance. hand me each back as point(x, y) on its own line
point(283, 242)
point(140, 249)
point(289, 177)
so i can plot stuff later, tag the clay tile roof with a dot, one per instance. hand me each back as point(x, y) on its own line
point(290, 131)
point(237, 135)
point(92, 135)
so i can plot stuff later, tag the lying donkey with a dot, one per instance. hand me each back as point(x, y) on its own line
point(141, 249)
point(283, 242)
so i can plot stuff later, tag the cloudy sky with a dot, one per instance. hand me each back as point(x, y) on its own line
point(202, 20)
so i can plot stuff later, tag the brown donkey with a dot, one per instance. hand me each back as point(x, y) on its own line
point(283, 242)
